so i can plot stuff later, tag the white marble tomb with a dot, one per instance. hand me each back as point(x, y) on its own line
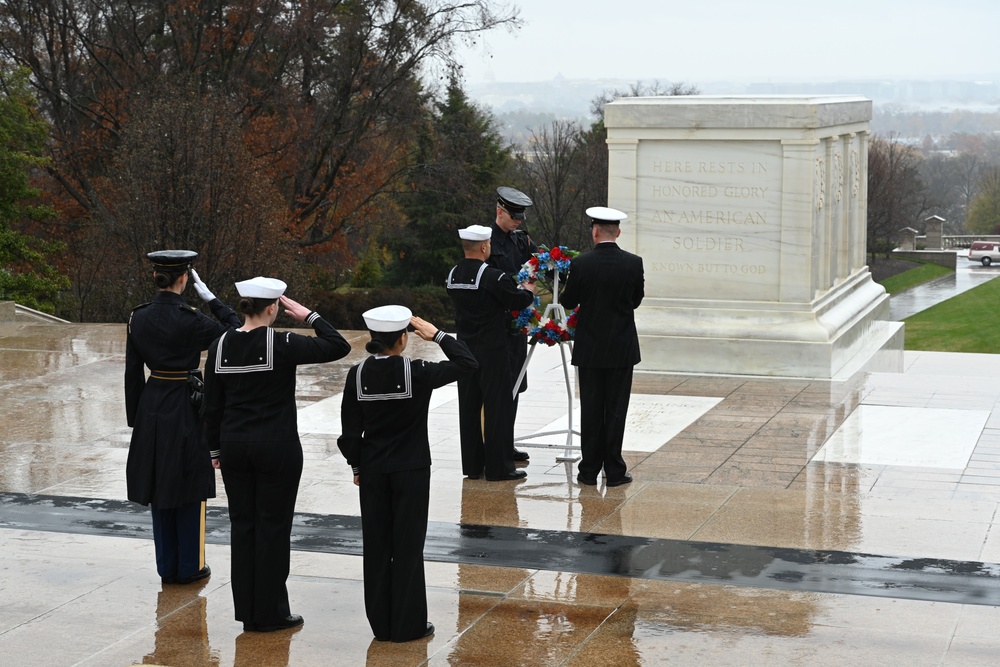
point(750, 216)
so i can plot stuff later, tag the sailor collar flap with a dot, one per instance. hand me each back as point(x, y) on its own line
point(392, 386)
point(474, 285)
point(263, 359)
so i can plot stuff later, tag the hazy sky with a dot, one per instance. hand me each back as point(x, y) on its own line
point(741, 40)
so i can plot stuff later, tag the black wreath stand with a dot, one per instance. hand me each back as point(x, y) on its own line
point(554, 311)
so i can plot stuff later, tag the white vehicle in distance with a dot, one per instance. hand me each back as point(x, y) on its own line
point(986, 252)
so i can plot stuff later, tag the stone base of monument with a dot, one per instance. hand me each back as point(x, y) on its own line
point(844, 331)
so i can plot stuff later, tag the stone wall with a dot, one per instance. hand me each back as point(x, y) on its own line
point(941, 257)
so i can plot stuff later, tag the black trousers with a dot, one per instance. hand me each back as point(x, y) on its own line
point(179, 539)
point(604, 396)
point(262, 481)
point(486, 416)
point(394, 525)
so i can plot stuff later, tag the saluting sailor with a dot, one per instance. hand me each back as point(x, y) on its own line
point(510, 248)
point(168, 468)
point(384, 426)
point(483, 298)
point(251, 427)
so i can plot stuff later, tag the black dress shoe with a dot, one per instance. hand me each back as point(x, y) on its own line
point(291, 621)
point(586, 480)
point(427, 633)
point(203, 573)
point(517, 474)
point(624, 479)
point(520, 455)
point(473, 476)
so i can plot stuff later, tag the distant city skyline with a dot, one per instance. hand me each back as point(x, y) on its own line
point(732, 40)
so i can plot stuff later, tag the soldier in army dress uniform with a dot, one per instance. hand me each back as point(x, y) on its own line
point(510, 248)
point(168, 468)
point(483, 298)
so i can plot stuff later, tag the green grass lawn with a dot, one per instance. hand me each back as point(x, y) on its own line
point(969, 322)
point(915, 276)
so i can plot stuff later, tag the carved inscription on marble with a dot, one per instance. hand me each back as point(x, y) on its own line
point(712, 209)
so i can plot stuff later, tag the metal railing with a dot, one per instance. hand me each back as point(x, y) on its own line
point(25, 313)
point(965, 241)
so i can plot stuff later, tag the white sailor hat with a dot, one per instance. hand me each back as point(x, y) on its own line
point(602, 215)
point(387, 318)
point(475, 233)
point(261, 288)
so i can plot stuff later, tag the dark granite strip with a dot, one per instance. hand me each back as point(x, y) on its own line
point(842, 572)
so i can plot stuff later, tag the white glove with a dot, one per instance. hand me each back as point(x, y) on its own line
point(201, 288)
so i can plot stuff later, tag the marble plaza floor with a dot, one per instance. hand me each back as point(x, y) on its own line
point(771, 521)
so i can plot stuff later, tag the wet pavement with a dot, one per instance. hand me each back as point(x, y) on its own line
point(934, 579)
point(771, 521)
point(966, 276)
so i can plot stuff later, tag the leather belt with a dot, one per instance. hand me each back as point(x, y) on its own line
point(169, 375)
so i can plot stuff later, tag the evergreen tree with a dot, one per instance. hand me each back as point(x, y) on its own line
point(26, 276)
point(460, 162)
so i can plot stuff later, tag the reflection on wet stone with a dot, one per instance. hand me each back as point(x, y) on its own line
point(733, 534)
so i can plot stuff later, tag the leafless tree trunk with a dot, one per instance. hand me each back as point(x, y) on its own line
point(551, 163)
point(895, 192)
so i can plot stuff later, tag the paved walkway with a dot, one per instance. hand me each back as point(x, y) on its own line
point(770, 522)
point(966, 276)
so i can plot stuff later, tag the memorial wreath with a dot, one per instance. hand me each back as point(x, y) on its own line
point(529, 320)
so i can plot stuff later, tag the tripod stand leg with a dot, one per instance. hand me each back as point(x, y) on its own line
point(568, 455)
point(524, 370)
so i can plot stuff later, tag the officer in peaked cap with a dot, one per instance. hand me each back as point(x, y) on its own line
point(484, 296)
point(607, 285)
point(511, 247)
point(167, 467)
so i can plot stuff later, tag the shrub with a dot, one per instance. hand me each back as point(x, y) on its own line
point(344, 308)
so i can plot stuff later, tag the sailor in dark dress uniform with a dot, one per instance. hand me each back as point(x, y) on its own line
point(168, 468)
point(607, 284)
point(252, 429)
point(384, 419)
point(483, 298)
point(510, 248)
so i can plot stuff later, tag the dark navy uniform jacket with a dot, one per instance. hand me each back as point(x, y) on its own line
point(384, 411)
point(509, 252)
point(167, 464)
point(250, 381)
point(607, 284)
point(483, 298)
